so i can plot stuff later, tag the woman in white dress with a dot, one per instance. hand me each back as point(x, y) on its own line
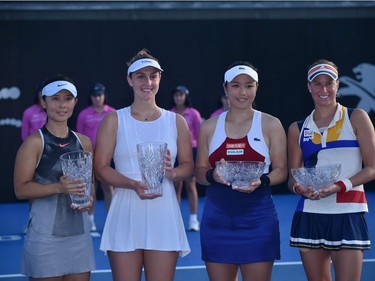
point(143, 230)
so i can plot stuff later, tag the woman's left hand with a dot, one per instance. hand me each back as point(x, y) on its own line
point(169, 170)
point(334, 188)
point(254, 185)
point(85, 208)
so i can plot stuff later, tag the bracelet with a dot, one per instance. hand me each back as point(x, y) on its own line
point(345, 185)
point(210, 176)
point(264, 181)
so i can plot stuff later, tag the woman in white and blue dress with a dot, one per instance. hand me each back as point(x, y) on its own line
point(143, 230)
point(330, 225)
point(240, 227)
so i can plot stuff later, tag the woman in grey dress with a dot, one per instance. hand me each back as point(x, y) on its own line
point(58, 243)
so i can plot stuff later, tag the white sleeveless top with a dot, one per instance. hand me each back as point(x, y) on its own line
point(133, 223)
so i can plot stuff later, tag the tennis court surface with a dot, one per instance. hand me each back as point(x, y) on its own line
point(13, 218)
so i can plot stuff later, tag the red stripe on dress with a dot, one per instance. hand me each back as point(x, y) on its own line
point(352, 196)
point(221, 152)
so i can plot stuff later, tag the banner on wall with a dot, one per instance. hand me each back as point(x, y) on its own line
point(12, 93)
point(10, 132)
point(281, 58)
point(361, 86)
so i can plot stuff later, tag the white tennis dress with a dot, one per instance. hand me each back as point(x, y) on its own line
point(133, 223)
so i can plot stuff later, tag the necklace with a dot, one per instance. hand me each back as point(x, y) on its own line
point(148, 116)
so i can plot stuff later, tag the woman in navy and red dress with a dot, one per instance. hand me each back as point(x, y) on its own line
point(240, 227)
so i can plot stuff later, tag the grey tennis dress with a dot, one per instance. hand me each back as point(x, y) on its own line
point(58, 240)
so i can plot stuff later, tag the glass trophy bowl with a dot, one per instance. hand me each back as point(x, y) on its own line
point(78, 164)
point(318, 177)
point(151, 163)
point(240, 174)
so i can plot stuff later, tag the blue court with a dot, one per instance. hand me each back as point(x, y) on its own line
point(13, 218)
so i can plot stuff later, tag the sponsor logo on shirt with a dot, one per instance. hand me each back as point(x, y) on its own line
point(235, 148)
point(307, 135)
point(235, 152)
point(236, 145)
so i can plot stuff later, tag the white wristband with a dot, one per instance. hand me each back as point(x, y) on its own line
point(347, 183)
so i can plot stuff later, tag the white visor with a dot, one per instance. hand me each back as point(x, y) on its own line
point(55, 87)
point(322, 69)
point(240, 69)
point(141, 63)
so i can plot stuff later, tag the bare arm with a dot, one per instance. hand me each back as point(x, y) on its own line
point(184, 153)
point(294, 152)
point(275, 134)
point(26, 162)
point(295, 161)
point(364, 130)
point(105, 147)
point(202, 162)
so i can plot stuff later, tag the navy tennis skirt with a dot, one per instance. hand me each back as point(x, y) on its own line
point(239, 228)
point(330, 231)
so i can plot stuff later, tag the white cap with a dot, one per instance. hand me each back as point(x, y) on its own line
point(141, 63)
point(240, 69)
point(56, 86)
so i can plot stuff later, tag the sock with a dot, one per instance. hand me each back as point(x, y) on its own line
point(193, 217)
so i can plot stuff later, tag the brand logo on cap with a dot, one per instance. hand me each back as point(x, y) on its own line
point(56, 86)
point(141, 63)
point(240, 69)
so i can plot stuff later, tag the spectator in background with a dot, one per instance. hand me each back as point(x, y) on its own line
point(224, 106)
point(34, 117)
point(182, 106)
point(330, 225)
point(87, 124)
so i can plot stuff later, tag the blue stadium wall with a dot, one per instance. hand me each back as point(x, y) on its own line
point(193, 52)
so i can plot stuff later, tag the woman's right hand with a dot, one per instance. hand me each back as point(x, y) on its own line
point(307, 192)
point(140, 187)
point(217, 175)
point(72, 186)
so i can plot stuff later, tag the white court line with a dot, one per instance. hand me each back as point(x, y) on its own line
point(179, 268)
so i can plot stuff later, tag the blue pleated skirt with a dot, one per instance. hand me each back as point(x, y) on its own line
point(330, 231)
